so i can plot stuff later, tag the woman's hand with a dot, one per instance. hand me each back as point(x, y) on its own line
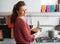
point(36, 35)
point(36, 29)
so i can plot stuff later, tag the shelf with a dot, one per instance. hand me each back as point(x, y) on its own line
point(47, 25)
point(5, 13)
point(3, 24)
point(37, 14)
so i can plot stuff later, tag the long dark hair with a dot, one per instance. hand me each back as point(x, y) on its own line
point(14, 12)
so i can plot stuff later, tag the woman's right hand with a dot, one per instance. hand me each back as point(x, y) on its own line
point(37, 34)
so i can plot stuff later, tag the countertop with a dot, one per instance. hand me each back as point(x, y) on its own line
point(12, 41)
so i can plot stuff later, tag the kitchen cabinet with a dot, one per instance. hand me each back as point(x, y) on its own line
point(10, 26)
point(6, 31)
point(4, 25)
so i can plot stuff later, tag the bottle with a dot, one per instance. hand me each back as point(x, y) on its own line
point(56, 8)
point(48, 8)
point(59, 4)
point(43, 9)
point(52, 8)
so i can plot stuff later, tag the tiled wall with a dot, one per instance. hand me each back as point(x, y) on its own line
point(43, 20)
point(46, 23)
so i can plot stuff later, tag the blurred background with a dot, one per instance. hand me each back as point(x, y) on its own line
point(44, 14)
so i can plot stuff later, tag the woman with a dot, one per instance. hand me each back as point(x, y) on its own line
point(22, 31)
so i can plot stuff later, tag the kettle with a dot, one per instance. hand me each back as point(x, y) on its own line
point(50, 34)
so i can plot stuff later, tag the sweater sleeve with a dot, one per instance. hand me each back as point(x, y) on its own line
point(26, 32)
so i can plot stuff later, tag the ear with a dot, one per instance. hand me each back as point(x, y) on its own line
point(17, 11)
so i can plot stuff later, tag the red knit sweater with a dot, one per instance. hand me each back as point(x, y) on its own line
point(22, 32)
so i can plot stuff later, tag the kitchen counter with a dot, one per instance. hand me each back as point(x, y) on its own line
point(12, 41)
point(42, 40)
point(34, 42)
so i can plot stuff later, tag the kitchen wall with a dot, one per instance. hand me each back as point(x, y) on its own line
point(6, 5)
point(33, 6)
point(50, 2)
point(46, 23)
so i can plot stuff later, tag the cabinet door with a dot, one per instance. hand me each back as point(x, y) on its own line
point(6, 31)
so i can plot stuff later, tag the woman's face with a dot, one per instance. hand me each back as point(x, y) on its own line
point(22, 11)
